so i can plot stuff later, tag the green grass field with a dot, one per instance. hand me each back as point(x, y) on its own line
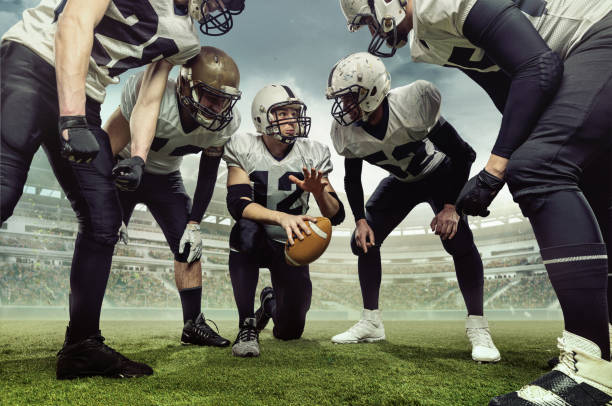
point(421, 363)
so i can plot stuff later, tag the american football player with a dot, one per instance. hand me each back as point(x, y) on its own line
point(270, 210)
point(56, 63)
point(546, 66)
point(401, 131)
point(196, 114)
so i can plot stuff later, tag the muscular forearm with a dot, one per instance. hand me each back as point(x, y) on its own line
point(73, 42)
point(143, 120)
point(327, 204)
point(261, 214)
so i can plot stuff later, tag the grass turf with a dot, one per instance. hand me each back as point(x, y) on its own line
point(421, 363)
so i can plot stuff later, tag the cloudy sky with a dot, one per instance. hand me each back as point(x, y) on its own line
point(296, 43)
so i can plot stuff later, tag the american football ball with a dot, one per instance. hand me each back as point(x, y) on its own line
point(305, 251)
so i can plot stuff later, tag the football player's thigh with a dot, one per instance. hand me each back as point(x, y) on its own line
point(169, 204)
point(596, 184)
point(390, 203)
point(573, 129)
point(292, 290)
point(89, 187)
point(28, 113)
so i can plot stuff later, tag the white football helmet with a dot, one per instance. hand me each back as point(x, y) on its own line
point(388, 14)
point(355, 12)
point(361, 81)
point(274, 97)
point(215, 16)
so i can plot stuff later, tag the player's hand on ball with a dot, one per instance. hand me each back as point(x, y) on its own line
point(127, 173)
point(295, 225)
point(313, 181)
point(77, 142)
point(445, 223)
point(478, 193)
point(364, 235)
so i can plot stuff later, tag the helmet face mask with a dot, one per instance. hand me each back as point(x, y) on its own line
point(276, 106)
point(346, 108)
point(215, 16)
point(388, 14)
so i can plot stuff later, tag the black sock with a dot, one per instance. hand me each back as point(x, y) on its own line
point(370, 273)
point(575, 258)
point(191, 301)
point(244, 277)
point(88, 277)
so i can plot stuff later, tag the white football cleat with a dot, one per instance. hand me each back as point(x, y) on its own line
point(580, 378)
point(369, 329)
point(483, 349)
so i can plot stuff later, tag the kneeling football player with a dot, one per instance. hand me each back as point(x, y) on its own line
point(401, 131)
point(196, 115)
point(272, 211)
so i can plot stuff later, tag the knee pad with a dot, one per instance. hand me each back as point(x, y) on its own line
point(459, 247)
point(287, 334)
point(247, 236)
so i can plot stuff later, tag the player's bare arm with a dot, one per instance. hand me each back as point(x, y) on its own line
point(292, 224)
point(118, 130)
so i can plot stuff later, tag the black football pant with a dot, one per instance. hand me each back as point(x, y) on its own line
point(544, 176)
point(168, 202)
point(251, 249)
point(29, 116)
point(390, 203)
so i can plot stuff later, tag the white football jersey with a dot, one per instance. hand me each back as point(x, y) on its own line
point(171, 142)
point(405, 151)
point(132, 33)
point(270, 176)
point(437, 35)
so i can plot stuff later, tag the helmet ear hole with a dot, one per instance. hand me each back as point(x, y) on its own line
point(259, 119)
point(373, 91)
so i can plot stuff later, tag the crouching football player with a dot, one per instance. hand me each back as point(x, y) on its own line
point(401, 131)
point(273, 211)
point(196, 115)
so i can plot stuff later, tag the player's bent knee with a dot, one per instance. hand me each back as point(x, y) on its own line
point(247, 236)
point(104, 231)
point(293, 332)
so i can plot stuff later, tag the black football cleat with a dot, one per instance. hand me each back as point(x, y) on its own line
point(581, 378)
point(261, 317)
point(91, 357)
point(200, 333)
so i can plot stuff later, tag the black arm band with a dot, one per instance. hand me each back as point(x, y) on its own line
point(353, 187)
point(446, 139)
point(207, 177)
point(511, 41)
point(235, 202)
point(339, 216)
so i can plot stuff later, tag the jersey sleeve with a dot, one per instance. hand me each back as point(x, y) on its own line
point(129, 95)
point(325, 164)
point(228, 131)
point(190, 49)
point(338, 136)
point(418, 105)
point(236, 152)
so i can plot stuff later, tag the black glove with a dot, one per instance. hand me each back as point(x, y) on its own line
point(128, 172)
point(478, 193)
point(82, 145)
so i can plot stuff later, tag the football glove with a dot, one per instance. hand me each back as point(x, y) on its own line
point(123, 234)
point(478, 193)
point(82, 146)
point(128, 172)
point(193, 238)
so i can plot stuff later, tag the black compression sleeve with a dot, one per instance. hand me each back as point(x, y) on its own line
point(339, 216)
point(353, 187)
point(207, 177)
point(462, 155)
point(496, 84)
point(511, 41)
